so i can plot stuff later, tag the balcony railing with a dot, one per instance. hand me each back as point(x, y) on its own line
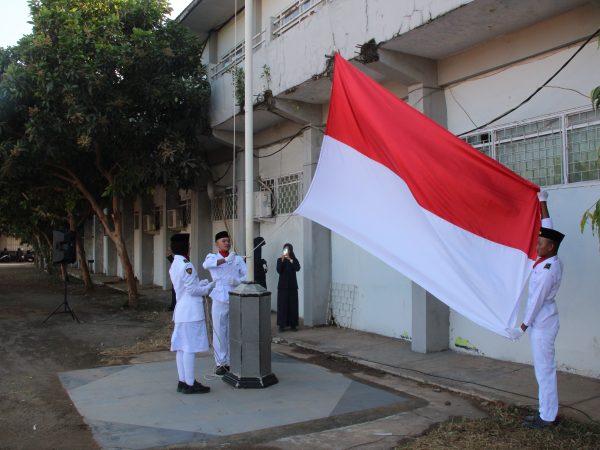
point(236, 55)
point(293, 15)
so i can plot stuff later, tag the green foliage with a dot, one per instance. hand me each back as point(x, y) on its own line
point(238, 80)
point(107, 97)
point(117, 92)
point(591, 216)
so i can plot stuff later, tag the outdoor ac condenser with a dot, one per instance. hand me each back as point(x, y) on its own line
point(174, 219)
point(262, 204)
point(148, 223)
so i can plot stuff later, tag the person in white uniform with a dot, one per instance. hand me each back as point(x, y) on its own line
point(227, 270)
point(541, 318)
point(189, 334)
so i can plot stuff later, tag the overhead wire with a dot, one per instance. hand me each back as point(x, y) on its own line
point(560, 69)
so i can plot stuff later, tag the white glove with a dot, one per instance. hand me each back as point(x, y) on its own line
point(230, 258)
point(203, 282)
point(514, 333)
point(211, 286)
point(543, 196)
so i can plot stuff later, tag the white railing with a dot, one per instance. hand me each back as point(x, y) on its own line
point(293, 15)
point(236, 55)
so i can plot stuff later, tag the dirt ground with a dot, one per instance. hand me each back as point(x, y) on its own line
point(36, 412)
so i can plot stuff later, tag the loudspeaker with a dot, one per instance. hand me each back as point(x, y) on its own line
point(63, 247)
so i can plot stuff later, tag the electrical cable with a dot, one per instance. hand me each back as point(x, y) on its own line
point(537, 90)
point(343, 355)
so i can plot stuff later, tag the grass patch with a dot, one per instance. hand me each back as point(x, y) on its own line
point(158, 339)
point(502, 430)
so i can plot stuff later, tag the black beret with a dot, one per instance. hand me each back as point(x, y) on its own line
point(551, 234)
point(221, 235)
point(180, 237)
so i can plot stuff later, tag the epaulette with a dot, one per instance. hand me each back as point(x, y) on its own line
point(185, 260)
point(547, 266)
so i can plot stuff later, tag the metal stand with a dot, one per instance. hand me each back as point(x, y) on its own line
point(250, 337)
point(67, 309)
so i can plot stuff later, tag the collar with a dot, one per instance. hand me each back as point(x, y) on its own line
point(223, 253)
point(542, 259)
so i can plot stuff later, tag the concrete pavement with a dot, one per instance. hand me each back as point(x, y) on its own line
point(479, 376)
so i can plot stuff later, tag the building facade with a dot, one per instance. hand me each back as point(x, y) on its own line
point(462, 63)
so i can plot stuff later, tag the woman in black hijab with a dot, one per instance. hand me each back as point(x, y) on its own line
point(287, 289)
point(260, 265)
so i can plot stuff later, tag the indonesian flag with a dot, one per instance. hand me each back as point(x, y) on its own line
point(403, 188)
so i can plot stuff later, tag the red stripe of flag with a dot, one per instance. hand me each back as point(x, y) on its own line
point(447, 177)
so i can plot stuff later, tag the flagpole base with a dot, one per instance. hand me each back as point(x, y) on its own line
point(250, 382)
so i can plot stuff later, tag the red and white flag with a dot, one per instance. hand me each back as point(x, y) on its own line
point(402, 187)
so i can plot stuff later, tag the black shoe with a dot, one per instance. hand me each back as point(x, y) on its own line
point(221, 370)
point(531, 418)
point(180, 386)
point(538, 424)
point(196, 388)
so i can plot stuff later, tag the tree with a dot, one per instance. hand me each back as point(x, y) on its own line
point(591, 215)
point(119, 97)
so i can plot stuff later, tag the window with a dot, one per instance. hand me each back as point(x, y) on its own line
point(583, 140)
point(287, 192)
point(554, 150)
point(223, 207)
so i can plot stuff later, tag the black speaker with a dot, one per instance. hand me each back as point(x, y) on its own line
point(63, 247)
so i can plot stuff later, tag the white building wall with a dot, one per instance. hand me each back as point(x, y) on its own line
point(578, 342)
point(382, 303)
point(283, 228)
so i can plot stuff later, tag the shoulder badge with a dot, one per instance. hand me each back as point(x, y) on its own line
point(185, 260)
point(189, 270)
point(547, 266)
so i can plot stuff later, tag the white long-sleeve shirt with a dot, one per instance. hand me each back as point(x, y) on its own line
point(227, 275)
point(188, 291)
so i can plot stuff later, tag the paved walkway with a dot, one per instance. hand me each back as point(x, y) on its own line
point(483, 377)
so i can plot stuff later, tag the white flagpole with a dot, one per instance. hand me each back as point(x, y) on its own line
point(249, 138)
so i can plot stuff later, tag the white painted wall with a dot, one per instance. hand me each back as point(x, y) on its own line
point(383, 302)
point(578, 342)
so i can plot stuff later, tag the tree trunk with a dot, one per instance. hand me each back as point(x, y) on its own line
point(115, 234)
point(85, 269)
point(47, 250)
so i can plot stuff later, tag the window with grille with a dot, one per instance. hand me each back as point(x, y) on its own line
point(554, 150)
point(223, 207)
point(286, 190)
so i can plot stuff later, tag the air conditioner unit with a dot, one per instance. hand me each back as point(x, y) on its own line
point(262, 204)
point(175, 219)
point(148, 223)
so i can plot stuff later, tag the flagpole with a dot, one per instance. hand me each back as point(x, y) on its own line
point(249, 139)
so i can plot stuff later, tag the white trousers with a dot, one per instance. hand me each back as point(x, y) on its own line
point(220, 318)
point(542, 349)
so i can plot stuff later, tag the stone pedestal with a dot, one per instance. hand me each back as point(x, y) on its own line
point(250, 337)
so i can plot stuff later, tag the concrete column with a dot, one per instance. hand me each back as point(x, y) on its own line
point(109, 257)
point(127, 227)
point(161, 241)
point(144, 252)
point(430, 317)
point(98, 245)
point(316, 245)
point(201, 235)
point(430, 322)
